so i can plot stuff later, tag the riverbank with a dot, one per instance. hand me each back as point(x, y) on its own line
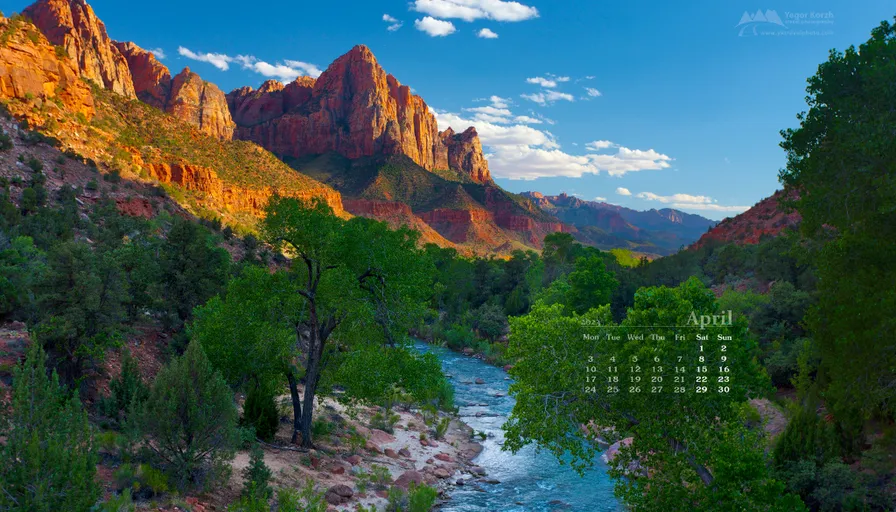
point(351, 475)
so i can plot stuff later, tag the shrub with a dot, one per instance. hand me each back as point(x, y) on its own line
point(5, 141)
point(306, 500)
point(321, 428)
point(112, 177)
point(380, 476)
point(141, 480)
point(92, 185)
point(421, 498)
point(189, 420)
point(35, 164)
point(384, 420)
point(257, 476)
point(124, 502)
point(125, 391)
point(442, 428)
point(260, 412)
point(356, 442)
point(48, 461)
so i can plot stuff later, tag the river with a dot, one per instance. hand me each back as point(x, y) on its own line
point(529, 481)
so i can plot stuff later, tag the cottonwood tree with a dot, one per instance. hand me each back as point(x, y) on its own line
point(354, 286)
point(692, 444)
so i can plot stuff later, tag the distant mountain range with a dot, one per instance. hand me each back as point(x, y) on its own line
point(608, 226)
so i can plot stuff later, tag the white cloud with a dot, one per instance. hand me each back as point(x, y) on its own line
point(487, 34)
point(470, 10)
point(688, 201)
point(544, 82)
point(622, 191)
point(594, 93)
point(394, 24)
point(219, 60)
point(601, 144)
point(527, 120)
point(544, 98)
point(287, 71)
point(499, 102)
point(158, 52)
point(306, 68)
point(558, 78)
point(434, 27)
point(518, 151)
point(601, 199)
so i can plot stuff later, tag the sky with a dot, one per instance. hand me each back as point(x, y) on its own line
point(640, 103)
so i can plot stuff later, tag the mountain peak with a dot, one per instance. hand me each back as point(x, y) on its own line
point(74, 26)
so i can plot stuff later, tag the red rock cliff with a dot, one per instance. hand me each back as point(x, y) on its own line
point(354, 108)
point(186, 96)
point(200, 103)
point(32, 69)
point(73, 25)
point(152, 81)
point(465, 154)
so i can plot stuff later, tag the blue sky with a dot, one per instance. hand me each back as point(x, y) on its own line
point(674, 104)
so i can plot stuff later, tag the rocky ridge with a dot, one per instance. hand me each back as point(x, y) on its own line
point(355, 109)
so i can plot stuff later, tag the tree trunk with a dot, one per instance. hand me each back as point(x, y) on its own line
point(296, 406)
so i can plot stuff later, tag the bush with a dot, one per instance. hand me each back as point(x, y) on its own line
point(260, 412)
point(189, 420)
point(92, 185)
point(5, 141)
point(124, 502)
point(384, 420)
point(112, 177)
point(257, 477)
point(142, 480)
point(48, 461)
point(126, 391)
point(35, 164)
point(421, 498)
point(306, 500)
point(442, 428)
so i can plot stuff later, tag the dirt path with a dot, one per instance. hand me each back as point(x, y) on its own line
point(774, 421)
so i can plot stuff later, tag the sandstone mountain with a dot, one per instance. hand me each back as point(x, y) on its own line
point(356, 110)
point(608, 226)
point(73, 25)
point(114, 134)
point(31, 68)
point(765, 218)
point(128, 70)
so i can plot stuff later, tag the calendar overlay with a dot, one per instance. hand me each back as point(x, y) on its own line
point(690, 359)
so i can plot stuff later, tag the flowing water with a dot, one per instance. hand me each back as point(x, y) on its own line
point(529, 481)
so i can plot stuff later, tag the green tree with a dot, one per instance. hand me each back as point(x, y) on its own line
point(693, 444)
point(47, 459)
point(21, 267)
point(590, 284)
point(260, 411)
point(839, 161)
point(189, 420)
point(80, 300)
point(192, 268)
point(353, 284)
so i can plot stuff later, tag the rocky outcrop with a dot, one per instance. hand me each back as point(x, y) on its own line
point(73, 25)
point(231, 197)
point(201, 104)
point(765, 219)
point(355, 109)
point(152, 81)
point(186, 96)
point(464, 152)
point(30, 68)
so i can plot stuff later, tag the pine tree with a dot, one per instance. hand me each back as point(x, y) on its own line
point(48, 461)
